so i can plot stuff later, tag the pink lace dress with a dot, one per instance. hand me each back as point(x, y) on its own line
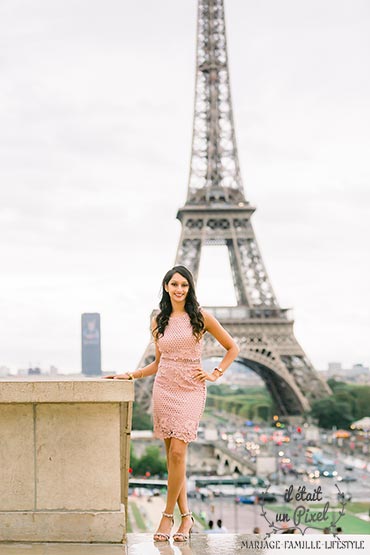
point(178, 399)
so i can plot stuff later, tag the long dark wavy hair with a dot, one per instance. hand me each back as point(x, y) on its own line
point(191, 305)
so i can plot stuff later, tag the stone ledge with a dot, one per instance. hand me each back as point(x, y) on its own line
point(66, 391)
point(63, 526)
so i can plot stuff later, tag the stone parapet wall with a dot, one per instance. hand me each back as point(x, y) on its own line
point(64, 459)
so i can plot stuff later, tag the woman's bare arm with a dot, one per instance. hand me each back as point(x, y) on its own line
point(214, 327)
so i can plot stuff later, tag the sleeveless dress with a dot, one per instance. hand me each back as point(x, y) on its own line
point(178, 399)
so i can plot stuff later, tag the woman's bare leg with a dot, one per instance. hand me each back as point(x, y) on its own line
point(177, 483)
point(167, 443)
point(176, 471)
point(176, 466)
point(186, 521)
point(182, 500)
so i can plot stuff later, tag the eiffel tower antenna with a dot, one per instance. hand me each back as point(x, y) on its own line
point(216, 212)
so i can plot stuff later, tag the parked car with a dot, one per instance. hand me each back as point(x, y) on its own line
point(246, 499)
point(267, 497)
point(301, 470)
point(347, 478)
point(327, 469)
point(256, 498)
point(193, 494)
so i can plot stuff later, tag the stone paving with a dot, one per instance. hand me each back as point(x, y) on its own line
point(138, 544)
point(202, 544)
point(240, 519)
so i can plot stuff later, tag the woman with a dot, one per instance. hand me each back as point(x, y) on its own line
point(179, 390)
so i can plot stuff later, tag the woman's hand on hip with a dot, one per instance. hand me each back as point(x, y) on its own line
point(201, 376)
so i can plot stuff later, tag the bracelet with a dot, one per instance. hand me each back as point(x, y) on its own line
point(219, 370)
point(132, 377)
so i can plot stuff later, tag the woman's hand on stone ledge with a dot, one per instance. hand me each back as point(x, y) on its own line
point(124, 376)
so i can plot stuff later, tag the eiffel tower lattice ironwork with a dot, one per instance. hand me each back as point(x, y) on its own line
point(216, 212)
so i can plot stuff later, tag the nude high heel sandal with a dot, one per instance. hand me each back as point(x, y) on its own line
point(162, 534)
point(180, 536)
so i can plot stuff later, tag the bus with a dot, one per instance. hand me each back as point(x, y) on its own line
point(313, 455)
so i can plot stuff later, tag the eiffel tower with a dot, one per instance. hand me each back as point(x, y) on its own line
point(216, 212)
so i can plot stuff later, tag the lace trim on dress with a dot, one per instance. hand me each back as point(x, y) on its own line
point(167, 426)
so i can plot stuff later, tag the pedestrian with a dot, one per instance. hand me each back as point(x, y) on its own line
point(179, 390)
point(211, 530)
point(290, 531)
point(221, 529)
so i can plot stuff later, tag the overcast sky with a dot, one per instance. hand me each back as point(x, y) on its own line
point(96, 102)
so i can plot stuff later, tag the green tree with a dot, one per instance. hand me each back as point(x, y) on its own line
point(336, 385)
point(213, 390)
point(244, 411)
point(362, 395)
point(332, 412)
point(133, 457)
point(151, 462)
point(263, 412)
point(240, 401)
point(355, 395)
point(229, 406)
point(141, 420)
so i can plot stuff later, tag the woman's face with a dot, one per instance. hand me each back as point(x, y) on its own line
point(177, 288)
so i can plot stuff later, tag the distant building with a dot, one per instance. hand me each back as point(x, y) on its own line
point(239, 375)
point(359, 369)
point(335, 367)
point(357, 374)
point(34, 371)
point(4, 371)
point(91, 344)
point(53, 371)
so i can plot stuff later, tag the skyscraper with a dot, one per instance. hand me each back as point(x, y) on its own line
point(91, 344)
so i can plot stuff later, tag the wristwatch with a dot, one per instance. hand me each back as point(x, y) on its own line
point(130, 376)
point(219, 370)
